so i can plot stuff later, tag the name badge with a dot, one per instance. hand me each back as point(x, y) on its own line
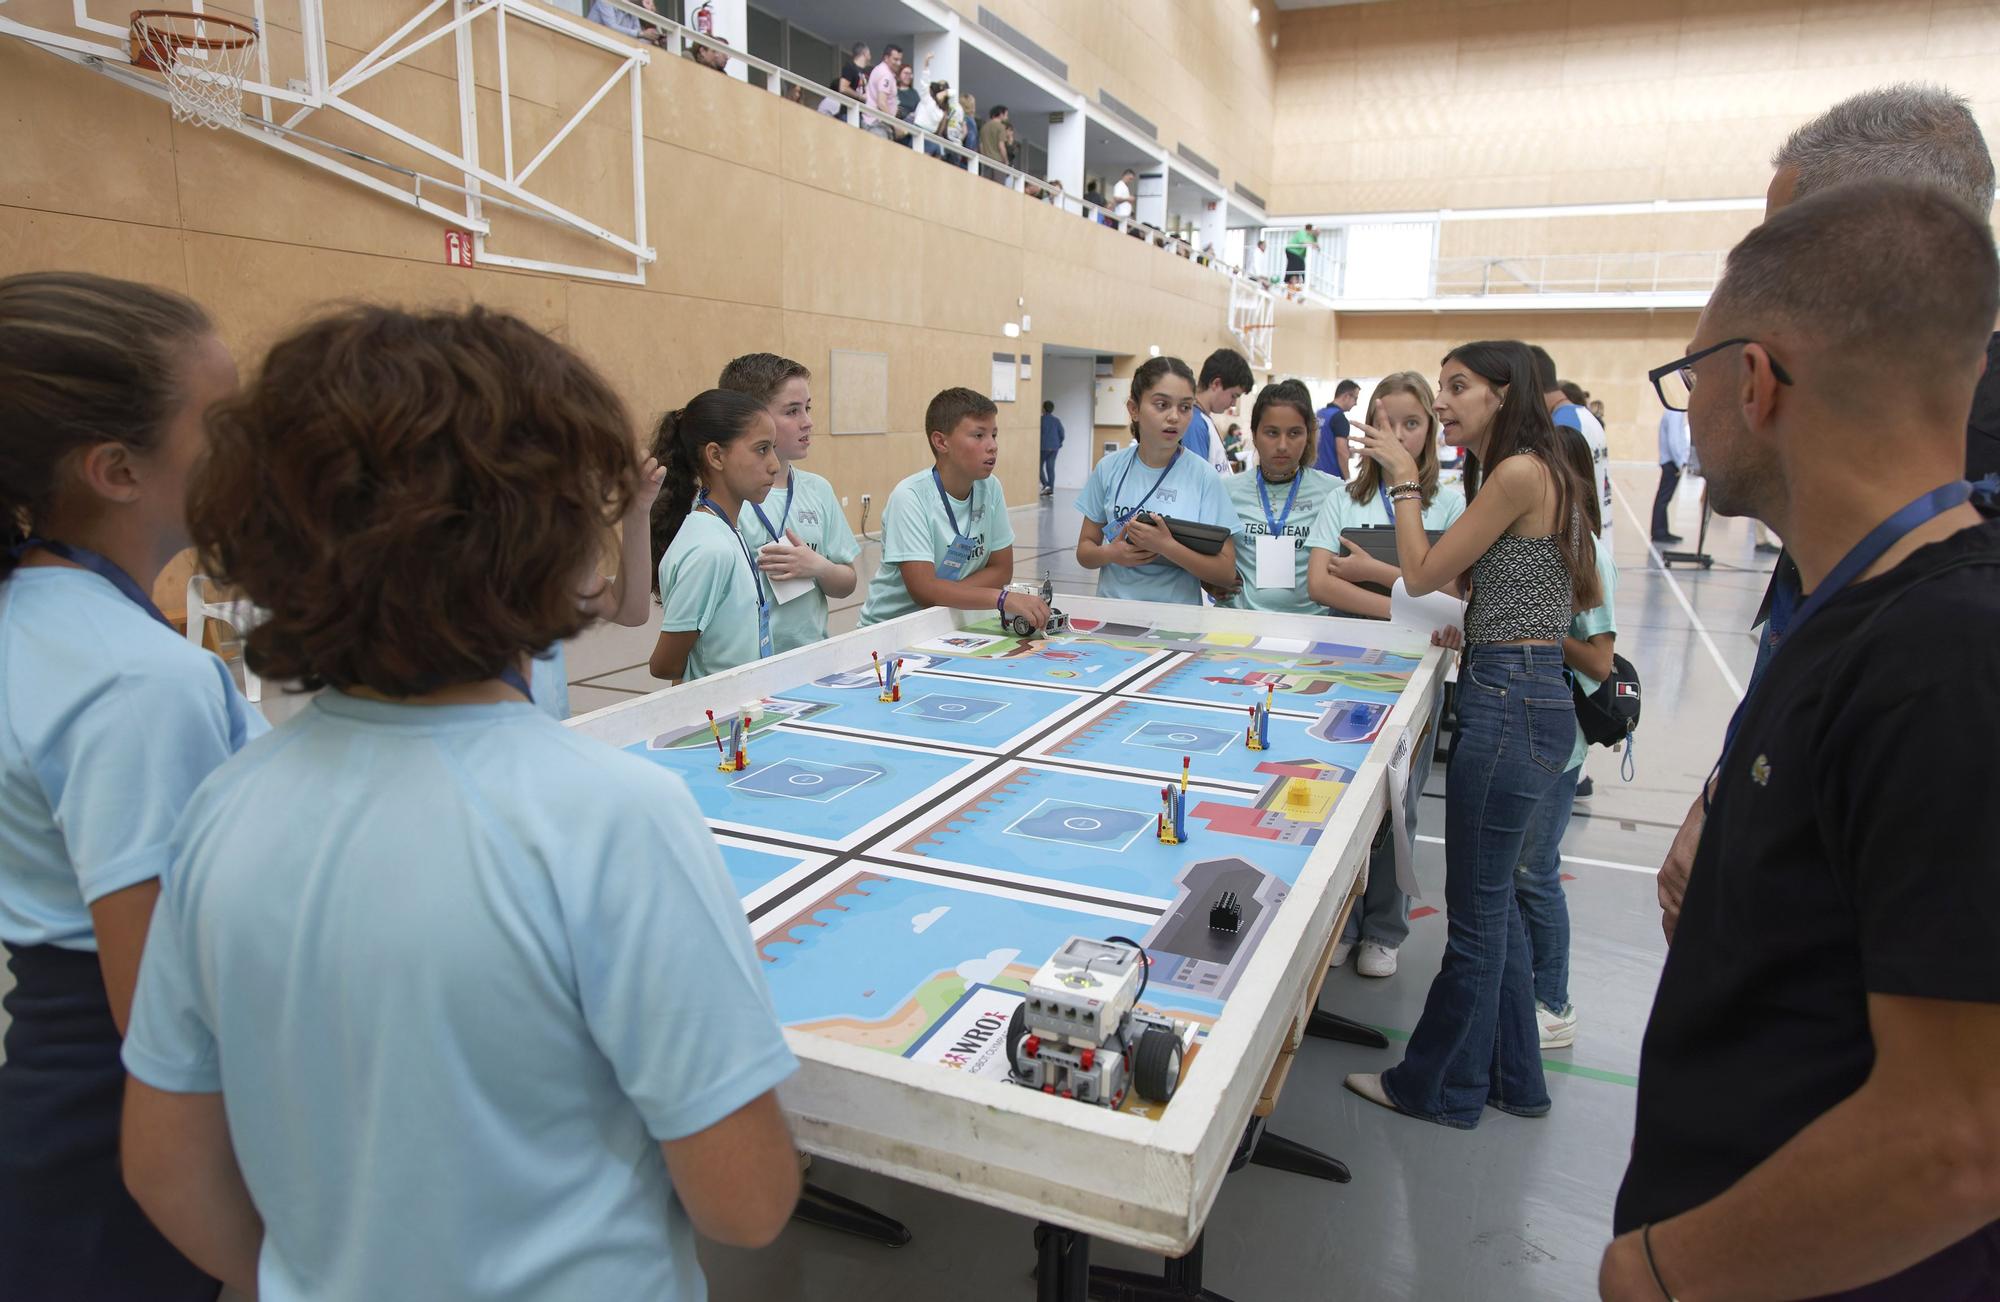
point(957, 557)
point(1277, 561)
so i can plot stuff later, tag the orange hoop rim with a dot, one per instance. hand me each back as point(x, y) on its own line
point(149, 32)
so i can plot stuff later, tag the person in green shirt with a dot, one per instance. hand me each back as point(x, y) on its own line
point(1277, 503)
point(1402, 405)
point(1295, 253)
point(946, 539)
point(720, 452)
point(799, 533)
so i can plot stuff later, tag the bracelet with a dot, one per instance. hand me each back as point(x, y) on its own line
point(1410, 485)
point(1646, 1241)
point(1001, 604)
point(1408, 496)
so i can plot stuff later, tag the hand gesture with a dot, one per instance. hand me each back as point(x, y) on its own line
point(1385, 450)
point(651, 475)
point(1028, 606)
point(1148, 534)
point(1359, 567)
point(790, 559)
point(1451, 637)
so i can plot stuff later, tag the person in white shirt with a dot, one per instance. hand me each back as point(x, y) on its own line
point(1673, 455)
point(1121, 194)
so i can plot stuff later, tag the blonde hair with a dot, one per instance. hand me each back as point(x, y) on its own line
point(1366, 483)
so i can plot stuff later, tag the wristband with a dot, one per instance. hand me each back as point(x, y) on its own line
point(1646, 1241)
point(1001, 604)
point(1408, 485)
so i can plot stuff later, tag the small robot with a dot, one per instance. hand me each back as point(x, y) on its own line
point(1080, 1035)
point(1019, 626)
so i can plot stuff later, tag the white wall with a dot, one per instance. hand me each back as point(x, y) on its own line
point(1067, 382)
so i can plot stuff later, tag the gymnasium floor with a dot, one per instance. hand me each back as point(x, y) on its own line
point(1517, 1209)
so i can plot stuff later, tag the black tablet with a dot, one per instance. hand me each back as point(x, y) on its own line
point(1379, 541)
point(1204, 539)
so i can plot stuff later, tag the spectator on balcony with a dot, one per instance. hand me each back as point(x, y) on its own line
point(1331, 454)
point(1303, 239)
point(1053, 193)
point(881, 122)
point(882, 83)
point(853, 81)
point(968, 135)
point(993, 142)
point(933, 111)
point(1121, 194)
point(908, 99)
point(605, 15)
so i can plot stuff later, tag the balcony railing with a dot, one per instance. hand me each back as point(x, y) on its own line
point(1580, 273)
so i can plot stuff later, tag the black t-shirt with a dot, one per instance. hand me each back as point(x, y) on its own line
point(1982, 431)
point(856, 76)
point(1849, 851)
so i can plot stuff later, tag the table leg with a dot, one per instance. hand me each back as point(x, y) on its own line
point(1062, 1264)
point(1180, 1281)
point(830, 1211)
point(1332, 1026)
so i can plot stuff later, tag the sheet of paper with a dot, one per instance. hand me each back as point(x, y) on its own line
point(1430, 612)
point(1277, 562)
point(1399, 826)
point(786, 589)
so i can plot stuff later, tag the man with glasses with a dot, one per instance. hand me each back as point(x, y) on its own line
point(1818, 1109)
point(1917, 133)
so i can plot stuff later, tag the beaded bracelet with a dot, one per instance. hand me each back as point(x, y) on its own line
point(1411, 485)
point(1410, 495)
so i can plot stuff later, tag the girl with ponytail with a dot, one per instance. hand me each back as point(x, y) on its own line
point(112, 720)
point(719, 452)
point(1525, 541)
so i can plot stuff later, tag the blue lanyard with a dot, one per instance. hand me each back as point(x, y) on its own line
point(1865, 553)
point(778, 534)
point(945, 498)
point(1387, 505)
point(1278, 523)
point(707, 503)
point(102, 566)
point(1123, 474)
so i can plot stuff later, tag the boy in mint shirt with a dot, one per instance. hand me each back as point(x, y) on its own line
point(1129, 494)
point(946, 539)
point(799, 532)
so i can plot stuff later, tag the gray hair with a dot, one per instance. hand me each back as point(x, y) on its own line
point(1910, 131)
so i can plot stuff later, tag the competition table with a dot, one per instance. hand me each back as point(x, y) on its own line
point(905, 867)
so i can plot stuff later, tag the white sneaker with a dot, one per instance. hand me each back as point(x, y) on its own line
point(1340, 952)
point(1558, 1029)
point(1375, 960)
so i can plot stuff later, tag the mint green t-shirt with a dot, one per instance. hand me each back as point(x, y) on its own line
point(915, 528)
point(807, 507)
point(1253, 523)
point(706, 588)
point(1588, 624)
point(1120, 486)
point(1343, 512)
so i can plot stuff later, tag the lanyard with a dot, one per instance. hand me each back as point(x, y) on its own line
point(1864, 554)
point(1277, 523)
point(777, 534)
point(1387, 505)
point(944, 498)
point(102, 566)
point(707, 503)
point(1122, 475)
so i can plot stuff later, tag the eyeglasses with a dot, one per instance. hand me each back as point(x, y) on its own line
point(1674, 382)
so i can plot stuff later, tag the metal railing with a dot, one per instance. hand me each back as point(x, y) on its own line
point(1579, 273)
point(967, 157)
point(1321, 274)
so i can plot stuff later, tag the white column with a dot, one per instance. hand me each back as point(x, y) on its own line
point(1066, 140)
point(1150, 207)
point(941, 48)
point(1214, 229)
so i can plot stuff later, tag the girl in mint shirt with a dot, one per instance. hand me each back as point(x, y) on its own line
point(1277, 502)
point(719, 452)
point(1129, 494)
point(109, 720)
point(441, 999)
point(799, 532)
point(1402, 404)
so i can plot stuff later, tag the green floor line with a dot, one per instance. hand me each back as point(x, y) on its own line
point(1549, 1064)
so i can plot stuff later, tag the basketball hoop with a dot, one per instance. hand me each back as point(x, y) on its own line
point(203, 59)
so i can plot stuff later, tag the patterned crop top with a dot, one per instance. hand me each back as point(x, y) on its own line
point(1520, 592)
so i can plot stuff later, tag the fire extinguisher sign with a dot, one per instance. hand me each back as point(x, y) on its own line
point(458, 249)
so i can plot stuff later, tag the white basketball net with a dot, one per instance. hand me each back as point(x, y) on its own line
point(203, 62)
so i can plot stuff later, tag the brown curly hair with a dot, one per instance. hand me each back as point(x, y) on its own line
point(414, 497)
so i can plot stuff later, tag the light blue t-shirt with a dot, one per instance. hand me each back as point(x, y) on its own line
point(706, 587)
point(915, 528)
point(1588, 624)
point(548, 680)
point(1252, 523)
point(808, 507)
point(1191, 491)
point(457, 973)
point(1341, 511)
point(108, 722)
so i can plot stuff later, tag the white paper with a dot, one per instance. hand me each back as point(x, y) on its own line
point(785, 589)
point(1277, 562)
point(1430, 612)
point(1399, 825)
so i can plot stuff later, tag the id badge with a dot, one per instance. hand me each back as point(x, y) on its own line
point(763, 631)
point(1277, 562)
point(957, 557)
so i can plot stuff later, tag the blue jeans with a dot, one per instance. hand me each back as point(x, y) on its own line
point(1477, 1042)
point(1048, 468)
point(1538, 892)
point(1383, 915)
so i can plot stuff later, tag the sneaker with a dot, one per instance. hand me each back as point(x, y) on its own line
point(1341, 951)
point(1768, 549)
point(1584, 789)
point(1558, 1029)
point(1667, 537)
point(1375, 960)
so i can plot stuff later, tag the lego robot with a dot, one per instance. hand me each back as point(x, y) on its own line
point(1079, 1034)
point(1019, 626)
